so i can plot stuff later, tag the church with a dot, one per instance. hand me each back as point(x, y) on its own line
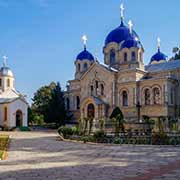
point(124, 80)
point(13, 105)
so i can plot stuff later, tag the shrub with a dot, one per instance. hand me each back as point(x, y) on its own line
point(39, 119)
point(87, 139)
point(118, 140)
point(75, 130)
point(99, 135)
point(65, 131)
point(160, 139)
point(24, 128)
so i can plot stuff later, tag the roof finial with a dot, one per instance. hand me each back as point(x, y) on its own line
point(130, 26)
point(84, 39)
point(158, 43)
point(5, 61)
point(122, 12)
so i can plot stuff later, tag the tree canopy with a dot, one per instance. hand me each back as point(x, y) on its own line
point(176, 51)
point(49, 102)
point(116, 112)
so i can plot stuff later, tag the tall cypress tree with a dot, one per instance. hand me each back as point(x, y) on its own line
point(57, 109)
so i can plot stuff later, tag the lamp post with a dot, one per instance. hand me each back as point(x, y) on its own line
point(138, 106)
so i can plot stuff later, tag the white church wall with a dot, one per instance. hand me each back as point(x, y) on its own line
point(13, 108)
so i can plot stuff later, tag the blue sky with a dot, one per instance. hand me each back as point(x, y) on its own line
point(42, 37)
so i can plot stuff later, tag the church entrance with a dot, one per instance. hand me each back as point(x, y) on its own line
point(91, 111)
point(19, 118)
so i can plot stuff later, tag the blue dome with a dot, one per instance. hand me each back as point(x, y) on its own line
point(120, 34)
point(85, 55)
point(158, 56)
point(131, 43)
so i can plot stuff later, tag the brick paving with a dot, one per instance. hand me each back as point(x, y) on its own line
point(40, 156)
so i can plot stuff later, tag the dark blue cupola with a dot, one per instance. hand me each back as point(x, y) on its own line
point(131, 42)
point(85, 55)
point(120, 34)
point(159, 56)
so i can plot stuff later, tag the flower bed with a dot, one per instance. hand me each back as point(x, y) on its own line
point(100, 136)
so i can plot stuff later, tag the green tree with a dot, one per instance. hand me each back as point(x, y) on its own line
point(176, 52)
point(57, 110)
point(117, 115)
point(41, 101)
point(48, 102)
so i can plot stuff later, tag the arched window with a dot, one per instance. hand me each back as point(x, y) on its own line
point(85, 66)
point(112, 56)
point(156, 95)
point(5, 114)
point(67, 104)
point(0, 82)
point(97, 87)
point(77, 102)
point(102, 89)
point(79, 67)
point(147, 97)
point(125, 57)
point(172, 96)
point(133, 56)
point(125, 98)
point(92, 89)
point(8, 82)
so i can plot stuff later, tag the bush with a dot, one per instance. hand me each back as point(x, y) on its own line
point(38, 119)
point(68, 131)
point(100, 136)
point(65, 131)
point(24, 128)
point(160, 139)
point(87, 139)
point(118, 140)
point(75, 130)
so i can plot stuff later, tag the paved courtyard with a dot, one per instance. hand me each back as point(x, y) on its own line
point(40, 155)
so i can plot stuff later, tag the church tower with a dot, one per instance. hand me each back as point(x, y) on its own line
point(6, 77)
point(83, 60)
point(123, 49)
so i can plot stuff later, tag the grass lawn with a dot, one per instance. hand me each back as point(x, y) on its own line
point(3, 144)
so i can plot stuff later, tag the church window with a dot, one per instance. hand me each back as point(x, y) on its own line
point(102, 89)
point(133, 56)
point(67, 104)
point(125, 98)
point(96, 87)
point(125, 57)
point(0, 82)
point(85, 66)
point(156, 96)
point(77, 102)
point(147, 97)
point(92, 89)
point(112, 56)
point(8, 82)
point(79, 67)
point(5, 114)
point(172, 96)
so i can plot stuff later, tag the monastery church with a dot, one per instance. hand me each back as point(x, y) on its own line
point(13, 105)
point(124, 80)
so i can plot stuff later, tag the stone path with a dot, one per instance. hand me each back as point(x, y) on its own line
point(41, 156)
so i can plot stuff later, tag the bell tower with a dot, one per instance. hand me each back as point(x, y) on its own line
point(6, 77)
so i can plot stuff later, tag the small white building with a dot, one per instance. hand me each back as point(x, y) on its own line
point(13, 105)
